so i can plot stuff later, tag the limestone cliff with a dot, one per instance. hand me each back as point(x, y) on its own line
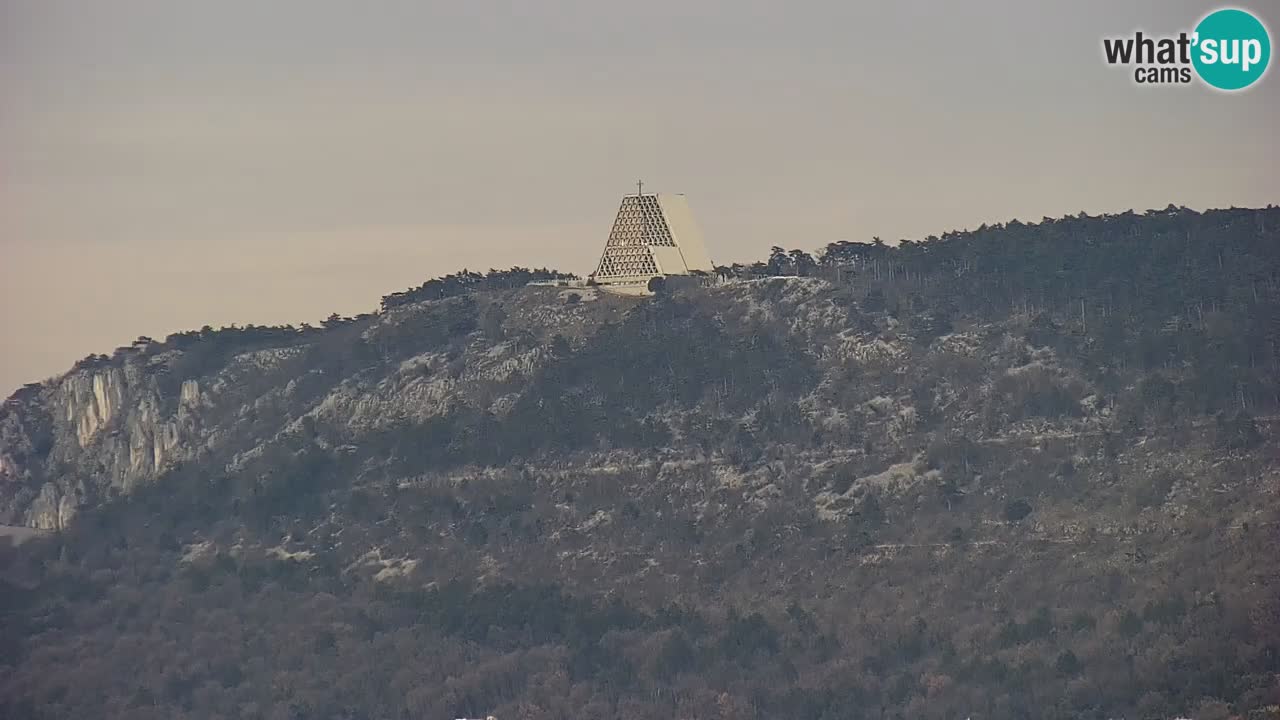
point(111, 425)
point(99, 430)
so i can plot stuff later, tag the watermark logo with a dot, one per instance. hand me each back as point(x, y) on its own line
point(1229, 49)
point(1235, 49)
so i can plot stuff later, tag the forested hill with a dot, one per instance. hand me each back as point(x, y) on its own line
point(1027, 471)
point(1161, 267)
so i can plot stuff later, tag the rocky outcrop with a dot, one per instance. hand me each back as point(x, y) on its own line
point(108, 430)
point(110, 426)
point(533, 371)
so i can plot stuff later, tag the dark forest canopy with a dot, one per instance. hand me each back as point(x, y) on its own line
point(1176, 251)
point(465, 281)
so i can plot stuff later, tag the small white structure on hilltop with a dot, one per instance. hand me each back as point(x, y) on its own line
point(653, 236)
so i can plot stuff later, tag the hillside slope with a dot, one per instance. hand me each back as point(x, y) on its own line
point(1029, 471)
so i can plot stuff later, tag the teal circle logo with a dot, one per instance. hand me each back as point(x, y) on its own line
point(1231, 49)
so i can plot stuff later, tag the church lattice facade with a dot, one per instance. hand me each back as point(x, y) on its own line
point(653, 236)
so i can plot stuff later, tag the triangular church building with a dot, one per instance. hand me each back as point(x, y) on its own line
point(653, 236)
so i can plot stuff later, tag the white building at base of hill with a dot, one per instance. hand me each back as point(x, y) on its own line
point(653, 236)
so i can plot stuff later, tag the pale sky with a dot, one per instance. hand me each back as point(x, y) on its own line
point(166, 164)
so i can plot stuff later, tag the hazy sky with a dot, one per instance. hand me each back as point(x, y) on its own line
point(168, 164)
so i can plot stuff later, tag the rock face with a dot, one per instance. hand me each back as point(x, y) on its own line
point(95, 432)
point(228, 398)
point(112, 425)
point(734, 372)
